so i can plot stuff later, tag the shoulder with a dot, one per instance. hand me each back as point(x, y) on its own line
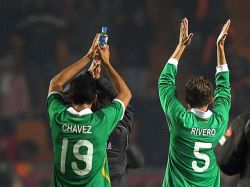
point(120, 130)
point(54, 94)
point(55, 103)
point(114, 108)
point(115, 105)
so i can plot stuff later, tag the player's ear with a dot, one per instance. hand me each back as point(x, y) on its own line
point(212, 101)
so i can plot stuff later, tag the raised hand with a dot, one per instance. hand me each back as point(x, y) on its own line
point(95, 69)
point(221, 38)
point(92, 51)
point(185, 37)
point(104, 54)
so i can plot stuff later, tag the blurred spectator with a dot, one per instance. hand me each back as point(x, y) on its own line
point(133, 49)
point(14, 97)
point(8, 177)
point(25, 165)
point(45, 49)
point(14, 92)
point(205, 14)
point(83, 23)
point(240, 71)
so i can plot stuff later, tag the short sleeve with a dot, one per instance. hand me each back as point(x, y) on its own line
point(55, 104)
point(112, 114)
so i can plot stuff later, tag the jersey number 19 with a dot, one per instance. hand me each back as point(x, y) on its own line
point(85, 158)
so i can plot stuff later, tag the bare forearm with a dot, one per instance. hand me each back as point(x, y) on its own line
point(178, 52)
point(123, 92)
point(221, 59)
point(60, 80)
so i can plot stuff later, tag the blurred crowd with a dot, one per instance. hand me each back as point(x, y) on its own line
point(40, 37)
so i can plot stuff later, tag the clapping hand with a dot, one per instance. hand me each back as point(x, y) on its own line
point(185, 37)
point(104, 54)
point(221, 38)
point(95, 68)
point(92, 51)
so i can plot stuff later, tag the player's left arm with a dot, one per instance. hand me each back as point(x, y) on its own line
point(166, 83)
point(58, 83)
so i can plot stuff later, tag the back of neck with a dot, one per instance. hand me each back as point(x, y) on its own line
point(202, 108)
point(81, 107)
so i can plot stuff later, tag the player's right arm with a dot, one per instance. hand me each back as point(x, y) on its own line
point(222, 99)
point(105, 85)
point(114, 112)
point(166, 83)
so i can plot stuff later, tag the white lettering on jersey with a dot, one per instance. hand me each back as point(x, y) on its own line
point(203, 132)
point(70, 128)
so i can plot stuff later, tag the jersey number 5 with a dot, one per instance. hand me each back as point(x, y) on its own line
point(85, 158)
point(201, 156)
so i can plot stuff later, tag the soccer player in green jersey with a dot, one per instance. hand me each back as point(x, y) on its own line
point(195, 132)
point(79, 136)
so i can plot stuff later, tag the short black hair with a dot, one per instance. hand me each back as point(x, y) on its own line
point(82, 89)
point(199, 91)
point(103, 99)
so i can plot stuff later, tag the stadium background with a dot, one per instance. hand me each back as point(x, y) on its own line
point(40, 37)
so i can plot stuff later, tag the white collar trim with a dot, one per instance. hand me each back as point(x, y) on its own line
point(200, 113)
point(81, 113)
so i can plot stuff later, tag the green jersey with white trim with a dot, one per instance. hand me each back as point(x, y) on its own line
point(193, 133)
point(79, 142)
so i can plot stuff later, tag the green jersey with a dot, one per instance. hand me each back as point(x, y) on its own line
point(79, 142)
point(193, 133)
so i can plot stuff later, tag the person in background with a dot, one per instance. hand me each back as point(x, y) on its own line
point(233, 151)
point(8, 177)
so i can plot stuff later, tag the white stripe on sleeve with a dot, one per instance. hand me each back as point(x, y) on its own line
point(222, 68)
point(173, 61)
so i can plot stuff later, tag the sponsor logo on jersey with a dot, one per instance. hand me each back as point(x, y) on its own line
point(203, 132)
point(109, 146)
point(70, 128)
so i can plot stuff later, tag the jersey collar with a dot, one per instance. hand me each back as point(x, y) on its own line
point(81, 113)
point(200, 113)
